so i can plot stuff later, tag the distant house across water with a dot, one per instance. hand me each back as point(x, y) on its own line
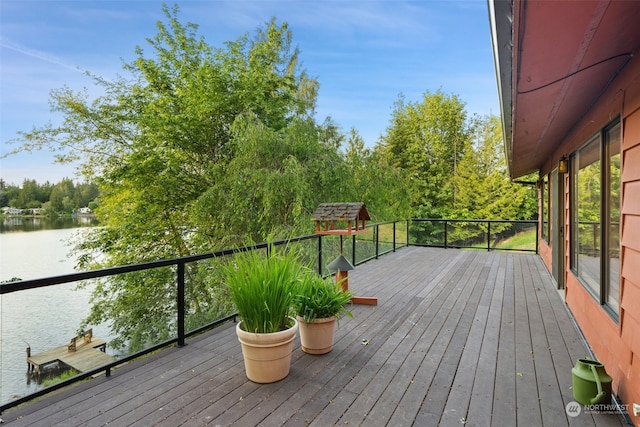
point(84, 211)
point(12, 211)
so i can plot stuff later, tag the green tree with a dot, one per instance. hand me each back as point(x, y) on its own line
point(173, 152)
point(28, 196)
point(485, 189)
point(383, 188)
point(62, 196)
point(11, 195)
point(428, 140)
point(163, 144)
point(272, 184)
point(85, 194)
point(44, 192)
point(195, 150)
point(4, 197)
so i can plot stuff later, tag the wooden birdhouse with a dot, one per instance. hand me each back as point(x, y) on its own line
point(341, 218)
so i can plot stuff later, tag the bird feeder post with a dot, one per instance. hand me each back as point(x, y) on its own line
point(355, 215)
point(342, 277)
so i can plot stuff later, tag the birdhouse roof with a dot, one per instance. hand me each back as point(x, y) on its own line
point(349, 211)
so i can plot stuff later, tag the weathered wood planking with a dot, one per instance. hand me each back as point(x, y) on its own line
point(459, 338)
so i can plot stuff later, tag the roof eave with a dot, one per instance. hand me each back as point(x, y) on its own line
point(501, 21)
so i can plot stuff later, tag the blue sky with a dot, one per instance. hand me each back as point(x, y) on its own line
point(364, 53)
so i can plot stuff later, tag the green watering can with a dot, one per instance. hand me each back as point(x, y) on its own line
point(591, 384)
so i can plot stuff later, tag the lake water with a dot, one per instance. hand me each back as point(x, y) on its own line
point(40, 318)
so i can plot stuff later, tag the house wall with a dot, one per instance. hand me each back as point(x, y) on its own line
point(630, 256)
point(616, 344)
point(544, 250)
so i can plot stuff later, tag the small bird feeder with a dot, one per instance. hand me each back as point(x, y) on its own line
point(343, 219)
point(341, 267)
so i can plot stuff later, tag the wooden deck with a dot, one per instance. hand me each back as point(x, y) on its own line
point(87, 356)
point(457, 338)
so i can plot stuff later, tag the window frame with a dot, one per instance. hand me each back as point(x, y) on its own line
point(604, 221)
point(546, 208)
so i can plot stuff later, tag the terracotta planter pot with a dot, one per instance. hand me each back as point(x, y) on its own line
point(316, 336)
point(267, 357)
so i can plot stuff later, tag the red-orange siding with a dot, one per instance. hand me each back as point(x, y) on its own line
point(615, 343)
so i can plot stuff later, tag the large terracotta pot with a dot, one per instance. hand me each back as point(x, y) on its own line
point(316, 337)
point(267, 357)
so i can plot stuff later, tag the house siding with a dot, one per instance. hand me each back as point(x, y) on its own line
point(616, 343)
point(544, 249)
point(630, 251)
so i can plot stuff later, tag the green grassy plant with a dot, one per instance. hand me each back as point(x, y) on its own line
point(59, 378)
point(319, 298)
point(262, 288)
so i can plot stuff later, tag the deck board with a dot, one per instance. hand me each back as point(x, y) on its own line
point(481, 397)
point(469, 338)
point(526, 386)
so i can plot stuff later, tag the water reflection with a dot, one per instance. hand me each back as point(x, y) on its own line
point(36, 223)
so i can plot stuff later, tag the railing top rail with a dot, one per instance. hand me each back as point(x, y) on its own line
point(21, 285)
point(387, 222)
point(511, 221)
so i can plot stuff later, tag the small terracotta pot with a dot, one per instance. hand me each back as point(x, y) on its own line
point(316, 337)
point(267, 357)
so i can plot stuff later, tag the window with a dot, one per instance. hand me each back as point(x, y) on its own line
point(595, 216)
point(586, 192)
point(546, 212)
point(612, 290)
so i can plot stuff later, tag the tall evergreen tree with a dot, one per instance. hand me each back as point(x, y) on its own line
point(485, 189)
point(428, 140)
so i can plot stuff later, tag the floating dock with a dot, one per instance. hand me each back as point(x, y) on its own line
point(82, 354)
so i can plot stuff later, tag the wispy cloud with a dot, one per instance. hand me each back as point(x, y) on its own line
point(33, 53)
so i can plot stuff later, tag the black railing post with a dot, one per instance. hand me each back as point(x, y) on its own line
point(537, 230)
point(488, 236)
point(181, 308)
point(377, 231)
point(394, 235)
point(445, 234)
point(408, 224)
point(320, 254)
point(353, 249)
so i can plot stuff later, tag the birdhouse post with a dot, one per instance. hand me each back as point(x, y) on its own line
point(343, 219)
